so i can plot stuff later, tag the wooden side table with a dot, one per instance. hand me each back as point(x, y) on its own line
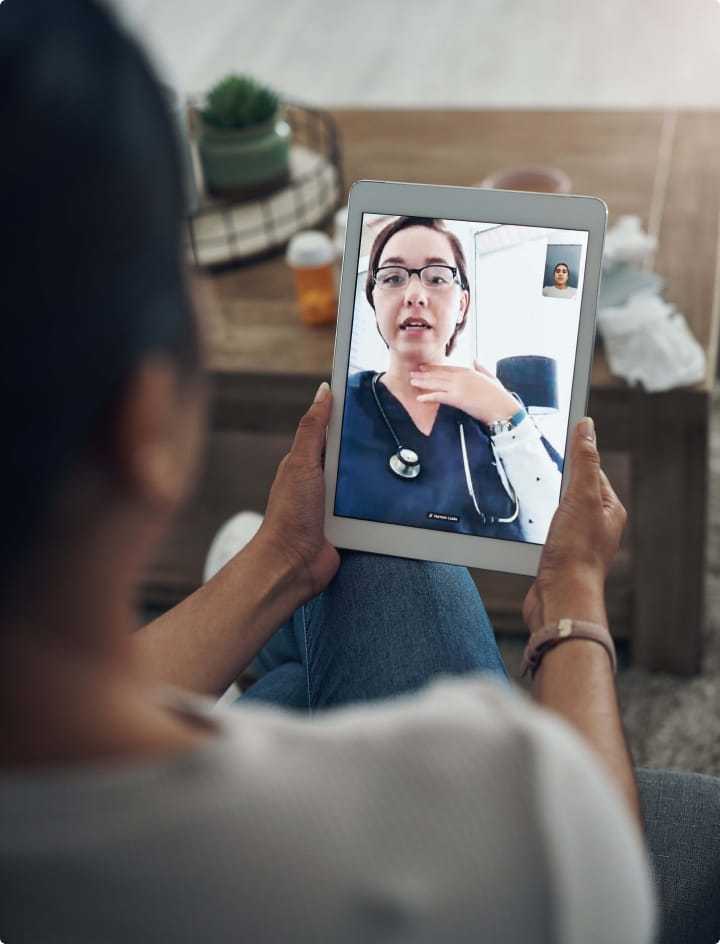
point(266, 365)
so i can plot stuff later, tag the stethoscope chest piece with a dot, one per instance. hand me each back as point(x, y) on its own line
point(405, 463)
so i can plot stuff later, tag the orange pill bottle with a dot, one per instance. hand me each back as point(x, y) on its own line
point(311, 255)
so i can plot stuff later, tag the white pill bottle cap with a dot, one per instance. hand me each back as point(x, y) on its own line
point(310, 249)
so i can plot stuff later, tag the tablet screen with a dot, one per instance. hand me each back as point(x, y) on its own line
point(455, 415)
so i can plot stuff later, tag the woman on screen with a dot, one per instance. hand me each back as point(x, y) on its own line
point(430, 444)
point(561, 287)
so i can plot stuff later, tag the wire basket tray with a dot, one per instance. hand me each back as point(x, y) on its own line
point(221, 232)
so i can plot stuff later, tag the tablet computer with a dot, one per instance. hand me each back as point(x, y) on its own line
point(462, 361)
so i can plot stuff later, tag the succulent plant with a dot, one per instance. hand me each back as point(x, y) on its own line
point(239, 101)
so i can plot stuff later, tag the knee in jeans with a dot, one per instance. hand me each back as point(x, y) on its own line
point(383, 570)
point(379, 579)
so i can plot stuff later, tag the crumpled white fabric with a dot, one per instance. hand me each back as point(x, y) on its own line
point(647, 341)
point(626, 241)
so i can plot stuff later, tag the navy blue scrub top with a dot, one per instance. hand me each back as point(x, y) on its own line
point(367, 487)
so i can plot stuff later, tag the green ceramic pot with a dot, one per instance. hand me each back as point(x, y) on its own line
point(242, 163)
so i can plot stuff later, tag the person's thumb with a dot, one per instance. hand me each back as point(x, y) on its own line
point(584, 459)
point(309, 441)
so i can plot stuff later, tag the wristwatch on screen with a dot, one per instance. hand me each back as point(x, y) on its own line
point(504, 426)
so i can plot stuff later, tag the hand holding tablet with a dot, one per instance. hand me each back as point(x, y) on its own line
point(292, 528)
point(581, 545)
point(428, 454)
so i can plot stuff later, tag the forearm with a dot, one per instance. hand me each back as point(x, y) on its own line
point(206, 641)
point(576, 681)
point(575, 678)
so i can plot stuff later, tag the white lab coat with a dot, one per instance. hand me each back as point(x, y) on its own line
point(533, 475)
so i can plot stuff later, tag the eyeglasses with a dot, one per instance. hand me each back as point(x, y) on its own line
point(431, 276)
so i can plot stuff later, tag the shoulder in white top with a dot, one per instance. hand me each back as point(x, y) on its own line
point(462, 813)
point(552, 291)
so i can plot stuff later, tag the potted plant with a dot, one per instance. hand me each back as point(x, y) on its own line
point(243, 141)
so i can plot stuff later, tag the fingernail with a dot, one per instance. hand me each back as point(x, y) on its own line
point(322, 391)
point(587, 429)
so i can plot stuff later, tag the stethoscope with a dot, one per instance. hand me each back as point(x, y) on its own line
point(405, 463)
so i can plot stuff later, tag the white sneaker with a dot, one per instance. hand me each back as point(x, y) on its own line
point(231, 538)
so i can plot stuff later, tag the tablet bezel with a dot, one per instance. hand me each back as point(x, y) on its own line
point(469, 204)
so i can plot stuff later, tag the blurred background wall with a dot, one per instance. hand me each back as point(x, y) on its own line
point(559, 53)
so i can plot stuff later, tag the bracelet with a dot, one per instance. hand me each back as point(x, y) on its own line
point(554, 633)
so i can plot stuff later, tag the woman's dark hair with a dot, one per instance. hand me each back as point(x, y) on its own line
point(91, 271)
point(559, 264)
point(404, 222)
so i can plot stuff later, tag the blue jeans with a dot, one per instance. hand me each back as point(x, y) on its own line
point(386, 625)
point(382, 627)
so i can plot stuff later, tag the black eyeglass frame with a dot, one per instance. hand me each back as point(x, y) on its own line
point(418, 272)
